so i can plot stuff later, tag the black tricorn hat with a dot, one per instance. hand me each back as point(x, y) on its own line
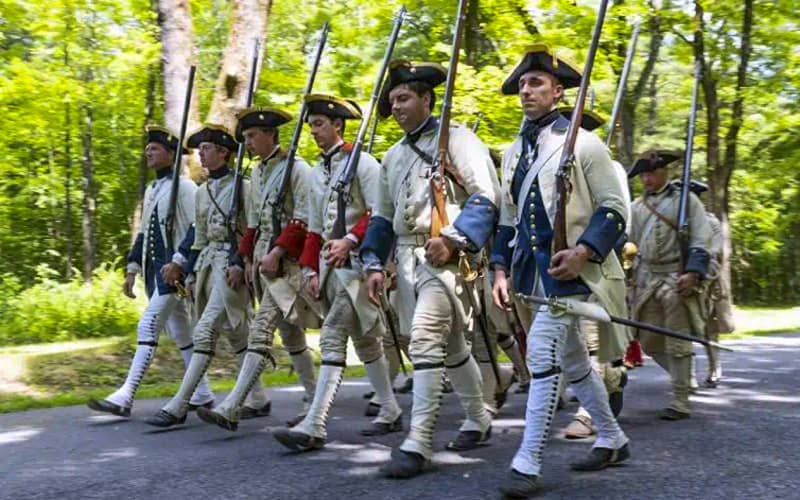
point(210, 132)
point(697, 187)
point(163, 136)
point(541, 57)
point(402, 71)
point(653, 159)
point(591, 119)
point(259, 116)
point(333, 107)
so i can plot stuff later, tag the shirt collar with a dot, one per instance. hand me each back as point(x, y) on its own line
point(219, 173)
point(431, 123)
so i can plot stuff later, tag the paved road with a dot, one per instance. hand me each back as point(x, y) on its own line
point(741, 442)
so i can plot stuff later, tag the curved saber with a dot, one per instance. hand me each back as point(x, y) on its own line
point(598, 313)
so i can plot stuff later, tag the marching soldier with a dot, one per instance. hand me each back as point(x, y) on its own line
point(334, 275)
point(221, 300)
point(665, 294)
point(432, 297)
point(271, 267)
point(595, 220)
point(165, 310)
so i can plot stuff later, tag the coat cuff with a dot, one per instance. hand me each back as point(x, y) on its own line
point(292, 238)
point(359, 230)
point(604, 230)
point(698, 262)
point(247, 242)
point(501, 251)
point(378, 240)
point(135, 255)
point(311, 248)
point(477, 221)
point(185, 249)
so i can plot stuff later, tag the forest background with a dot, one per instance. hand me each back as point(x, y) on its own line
point(79, 80)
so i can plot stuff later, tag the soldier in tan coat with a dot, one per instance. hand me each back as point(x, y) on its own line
point(432, 297)
point(222, 301)
point(595, 220)
point(665, 293)
point(269, 259)
point(333, 275)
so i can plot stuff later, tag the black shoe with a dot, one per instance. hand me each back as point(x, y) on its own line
point(670, 414)
point(468, 440)
point(382, 428)
point(447, 386)
point(404, 465)
point(372, 409)
point(600, 458)
point(212, 417)
point(246, 413)
point(295, 420)
point(108, 407)
point(368, 395)
point(711, 384)
point(298, 441)
point(165, 419)
point(500, 397)
point(523, 388)
point(616, 399)
point(407, 387)
point(519, 485)
point(207, 406)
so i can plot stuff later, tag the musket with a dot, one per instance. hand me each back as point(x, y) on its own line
point(477, 123)
point(169, 222)
point(441, 161)
point(567, 162)
point(596, 312)
point(372, 131)
point(343, 183)
point(389, 317)
point(230, 218)
point(623, 81)
point(684, 233)
point(278, 202)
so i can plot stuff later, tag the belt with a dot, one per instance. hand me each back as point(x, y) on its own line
point(663, 267)
point(412, 240)
point(219, 245)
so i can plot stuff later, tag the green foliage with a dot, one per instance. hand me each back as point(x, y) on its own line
point(51, 310)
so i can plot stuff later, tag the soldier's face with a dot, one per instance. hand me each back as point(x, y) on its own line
point(654, 180)
point(538, 93)
point(326, 132)
point(157, 156)
point(408, 108)
point(259, 142)
point(212, 156)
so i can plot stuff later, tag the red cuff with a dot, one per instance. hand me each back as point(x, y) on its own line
point(310, 256)
point(359, 229)
point(247, 242)
point(292, 238)
point(347, 147)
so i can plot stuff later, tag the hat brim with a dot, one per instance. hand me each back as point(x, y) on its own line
point(165, 137)
point(319, 104)
point(216, 134)
point(404, 72)
point(542, 59)
point(652, 160)
point(259, 117)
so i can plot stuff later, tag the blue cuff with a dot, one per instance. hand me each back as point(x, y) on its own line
point(501, 252)
point(604, 230)
point(185, 249)
point(135, 255)
point(698, 262)
point(477, 221)
point(378, 240)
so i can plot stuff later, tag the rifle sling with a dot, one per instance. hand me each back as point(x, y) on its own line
point(663, 218)
point(428, 159)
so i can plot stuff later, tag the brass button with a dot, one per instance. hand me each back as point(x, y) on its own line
point(609, 216)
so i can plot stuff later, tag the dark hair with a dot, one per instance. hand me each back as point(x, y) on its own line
point(273, 130)
point(422, 88)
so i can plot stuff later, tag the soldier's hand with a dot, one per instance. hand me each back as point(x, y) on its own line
point(312, 286)
point(171, 273)
point(234, 276)
point(567, 264)
point(500, 290)
point(375, 281)
point(439, 250)
point(248, 272)
point(127, 287)
point(190, 289)
point(686, 284)
point(338, 252)
point(271, 262)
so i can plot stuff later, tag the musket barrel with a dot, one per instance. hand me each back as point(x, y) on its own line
point(623, 81)
point(683, 208)
point(176, 165)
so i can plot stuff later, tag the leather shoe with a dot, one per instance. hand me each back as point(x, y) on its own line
point(383, 428)
point(404, 465)
point(246, 413)
point(164, 419)
point(600, 458)
point(298, 441)
point(519, 485)
point(108, 407)
point(468, 440)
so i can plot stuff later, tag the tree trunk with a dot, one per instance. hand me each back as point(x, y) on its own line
point(68, 175)
point(177, 55)
point(248, 24)
point(652, 105)
point(87, 184)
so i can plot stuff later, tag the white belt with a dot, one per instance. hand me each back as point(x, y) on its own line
point(412, 240)
point(219, 245)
